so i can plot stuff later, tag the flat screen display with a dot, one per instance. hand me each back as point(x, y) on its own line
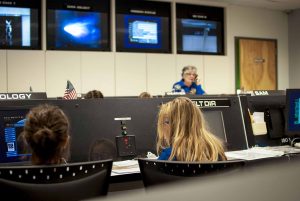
point(142, 29)
point(199, 30)
point(78, 26)
point(215, 123)
point(13, 147)
point(293, 112)
point(20, 25)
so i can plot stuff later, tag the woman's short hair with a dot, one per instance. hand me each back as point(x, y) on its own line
point(93, 94)
point(46, 131)
point(187, 68)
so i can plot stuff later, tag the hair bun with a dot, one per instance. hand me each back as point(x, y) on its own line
point(43, 136)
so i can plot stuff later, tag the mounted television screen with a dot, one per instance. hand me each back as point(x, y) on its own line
point(75, 25)
point(13, 147)
point(200, 29)
point(293, 112)
point(20, 24)
point(142, 27)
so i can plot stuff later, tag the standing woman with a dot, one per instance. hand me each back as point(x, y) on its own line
point(46, 131)
point(182, 134)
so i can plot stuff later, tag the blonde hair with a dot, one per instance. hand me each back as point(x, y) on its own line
point(186, 133)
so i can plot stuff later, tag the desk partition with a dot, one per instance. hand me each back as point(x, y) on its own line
point(94, 119)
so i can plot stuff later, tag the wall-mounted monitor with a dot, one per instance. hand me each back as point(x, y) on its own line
point(78, 25)
point(200, 29)
point(143, 26)
point(20, 24)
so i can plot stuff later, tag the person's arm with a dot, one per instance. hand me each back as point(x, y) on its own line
point(199, 90)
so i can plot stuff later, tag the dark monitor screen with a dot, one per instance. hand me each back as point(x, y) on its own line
point(20, 24)
point(293, 112)
point(200, 29)
point(143, 29)
point(215, 122)
point(12, 146)
point(78, 26)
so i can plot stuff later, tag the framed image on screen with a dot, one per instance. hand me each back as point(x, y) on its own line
point(78, 25)
point(200, 29)
point(142, 27)
point(20, 24)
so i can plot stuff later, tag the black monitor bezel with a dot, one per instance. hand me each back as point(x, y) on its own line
point(126, 7)
point(31, 4)
point(200, 12)
point(289, 93)
point(103, 6)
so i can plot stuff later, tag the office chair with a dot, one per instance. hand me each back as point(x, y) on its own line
point(158, 171)
point(70, 182)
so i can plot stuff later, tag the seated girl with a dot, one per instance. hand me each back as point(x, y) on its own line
point(182, 134)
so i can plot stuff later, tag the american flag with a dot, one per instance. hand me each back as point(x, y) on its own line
point(70, 92)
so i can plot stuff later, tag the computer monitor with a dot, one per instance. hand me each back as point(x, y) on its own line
point(143, 26)
point(20, 24)
point(215, 122)
point(78, 25)
point(272, 108)
point(293, 112)
point(200, 29)
point(13, 148)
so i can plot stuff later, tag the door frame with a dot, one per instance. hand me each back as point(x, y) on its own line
point(237, 58)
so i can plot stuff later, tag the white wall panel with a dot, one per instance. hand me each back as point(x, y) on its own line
point(98, 72)
point(130, 74)
point(25, 69)
point(161, 73)
point(60, 67)
point(219, 76)
point(3, 73)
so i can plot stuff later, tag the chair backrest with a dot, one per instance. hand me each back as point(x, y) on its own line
point(70, 182)
point(158, 171)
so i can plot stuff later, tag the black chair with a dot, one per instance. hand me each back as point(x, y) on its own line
point(158, 172)
point(70, 182)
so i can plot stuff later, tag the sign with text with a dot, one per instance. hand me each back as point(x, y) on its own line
point(23, 96)
point(205, 103)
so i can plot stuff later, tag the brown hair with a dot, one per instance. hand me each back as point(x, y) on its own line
point(181, 126)
point(46, 131)
point(93, 94)
point(145, 95)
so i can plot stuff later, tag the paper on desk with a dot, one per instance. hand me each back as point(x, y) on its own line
point(253, 153)
point(125, 167)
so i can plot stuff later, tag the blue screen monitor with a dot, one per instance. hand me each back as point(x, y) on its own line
point(200, 29)
point(78, 26)
point(293, 112)
point(13, 147)
point(20, 25)
point(143, 32)
point(143, 26)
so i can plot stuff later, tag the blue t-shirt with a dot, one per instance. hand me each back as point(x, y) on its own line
point(197, 89)
point(165, 154)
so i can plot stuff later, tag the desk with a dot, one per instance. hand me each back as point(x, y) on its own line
point(125, 175)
